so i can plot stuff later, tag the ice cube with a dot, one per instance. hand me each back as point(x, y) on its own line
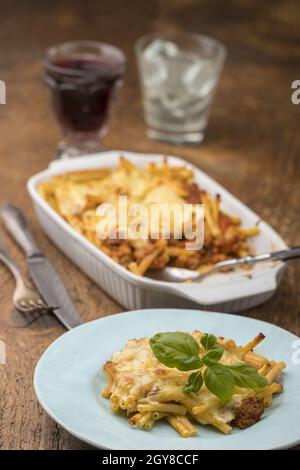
point(176, 104)
point(154, 72)
point(200, 78)
point(154, 67)
point(159, 49)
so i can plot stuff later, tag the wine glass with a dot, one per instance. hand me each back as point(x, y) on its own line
point(83, 77)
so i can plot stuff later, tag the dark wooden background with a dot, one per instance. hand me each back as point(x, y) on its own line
point(252, 147)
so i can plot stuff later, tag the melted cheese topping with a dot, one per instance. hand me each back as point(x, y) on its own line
point(137, 373)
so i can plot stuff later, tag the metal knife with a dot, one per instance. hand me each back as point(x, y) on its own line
point(46, 279)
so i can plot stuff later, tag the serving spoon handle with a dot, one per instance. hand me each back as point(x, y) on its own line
point(282, 255)
point(173, 274)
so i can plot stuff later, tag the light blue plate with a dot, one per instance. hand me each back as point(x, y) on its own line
point(68, 380)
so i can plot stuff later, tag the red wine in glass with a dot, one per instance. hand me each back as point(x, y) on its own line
point(83, 79)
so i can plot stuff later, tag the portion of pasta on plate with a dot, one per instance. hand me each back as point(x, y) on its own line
point(210, 381)
point(77, 195)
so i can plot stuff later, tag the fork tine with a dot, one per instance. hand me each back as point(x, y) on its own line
point(33, 307)
point(38, 305)
point(23, 308)
point(43, 307)
point(23, 304)
point(42, 303)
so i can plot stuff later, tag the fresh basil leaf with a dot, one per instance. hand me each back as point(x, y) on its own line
point(246, 376)
point(188, 389)
point(176, 349)
point(192, 378)
point(194, 384)
point(213, 356)
point(191, 363)
point(219, 381)
point(208, 341)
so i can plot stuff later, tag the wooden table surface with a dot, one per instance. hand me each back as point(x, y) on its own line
point(252, 147)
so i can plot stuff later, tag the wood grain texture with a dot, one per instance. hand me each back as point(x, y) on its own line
point(252, 147)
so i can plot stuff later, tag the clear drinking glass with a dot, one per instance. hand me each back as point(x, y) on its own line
point(83, 77)
point(178, 74)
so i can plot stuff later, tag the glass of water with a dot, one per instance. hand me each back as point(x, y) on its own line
point(179, 73)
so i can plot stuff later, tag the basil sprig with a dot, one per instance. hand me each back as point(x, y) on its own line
point(181, 351)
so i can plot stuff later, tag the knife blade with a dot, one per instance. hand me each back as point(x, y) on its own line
point(45, 278)
point(51, 288)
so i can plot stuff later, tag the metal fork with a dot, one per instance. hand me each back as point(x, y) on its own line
point(25, 298)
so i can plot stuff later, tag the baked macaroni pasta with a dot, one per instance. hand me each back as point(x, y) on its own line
point(147, 391)
point(76, 196)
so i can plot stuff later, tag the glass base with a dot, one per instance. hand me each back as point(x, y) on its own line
point(176, 137)
point(65, 150)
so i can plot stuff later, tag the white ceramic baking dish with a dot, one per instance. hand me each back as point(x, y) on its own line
point(230, 292)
